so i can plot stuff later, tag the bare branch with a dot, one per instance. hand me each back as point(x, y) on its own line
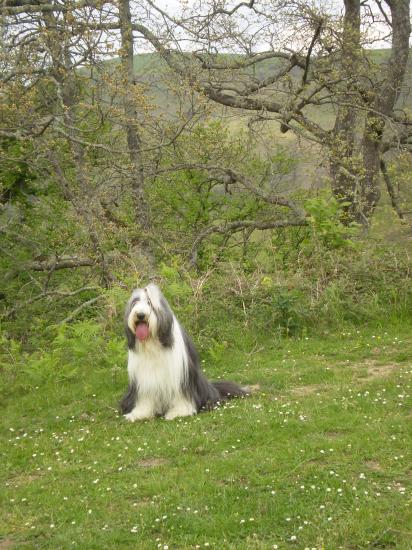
point(35, 130)
point(234, 227)
point(61, 263)
point(10, 7)
point(228, 176)
point(311, 46)
point(252, 60)
point(79, 309)
point(383, 12)
point(49, 294)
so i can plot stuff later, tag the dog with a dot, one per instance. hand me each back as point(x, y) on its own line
point(165, 378)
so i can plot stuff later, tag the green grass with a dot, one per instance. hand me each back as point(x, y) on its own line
point(319, 452)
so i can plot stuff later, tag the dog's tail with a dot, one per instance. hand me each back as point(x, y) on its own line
point(229, 390)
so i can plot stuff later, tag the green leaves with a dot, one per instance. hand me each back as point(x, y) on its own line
point(325, 215)
point(15, 173)
point(74, 350)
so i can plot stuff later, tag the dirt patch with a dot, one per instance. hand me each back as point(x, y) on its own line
point(380, 371)
point(253, 388)
point(333, 435)
point(86, 416)
point(152, 462)
point(6, 544)
point(302, 391)
point(141, 503)
point(373, 465)
point(373, 370)
point(366, 371)
point(313, 462)
point(23, 479)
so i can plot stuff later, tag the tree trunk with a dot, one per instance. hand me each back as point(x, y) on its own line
point(342, 162)
point(134, 141)
point(385, 96)
point(355, 178)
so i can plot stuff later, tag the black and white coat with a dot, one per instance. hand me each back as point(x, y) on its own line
point(165, 378)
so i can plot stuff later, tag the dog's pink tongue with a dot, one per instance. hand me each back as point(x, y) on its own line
point(142, 331)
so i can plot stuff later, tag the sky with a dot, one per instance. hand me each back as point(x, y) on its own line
point(377, 31)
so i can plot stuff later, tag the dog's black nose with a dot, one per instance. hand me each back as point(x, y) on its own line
point(141, 316)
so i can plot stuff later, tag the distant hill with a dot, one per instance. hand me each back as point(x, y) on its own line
point(149, 67)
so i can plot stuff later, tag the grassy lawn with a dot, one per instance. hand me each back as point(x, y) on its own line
point(316, 458)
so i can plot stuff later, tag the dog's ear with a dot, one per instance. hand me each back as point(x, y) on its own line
point(164, 315)
point(131, 338)
point(165, 323)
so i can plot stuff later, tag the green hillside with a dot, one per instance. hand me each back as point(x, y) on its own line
point(149, 67)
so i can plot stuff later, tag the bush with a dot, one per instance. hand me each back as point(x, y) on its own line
point(73, 352)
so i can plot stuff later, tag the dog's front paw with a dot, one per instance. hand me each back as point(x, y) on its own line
point(171, 415)
point(130, 417)
point(137, 414)
point(183, 409)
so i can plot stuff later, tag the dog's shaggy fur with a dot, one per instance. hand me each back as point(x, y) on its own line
point(165, 378)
